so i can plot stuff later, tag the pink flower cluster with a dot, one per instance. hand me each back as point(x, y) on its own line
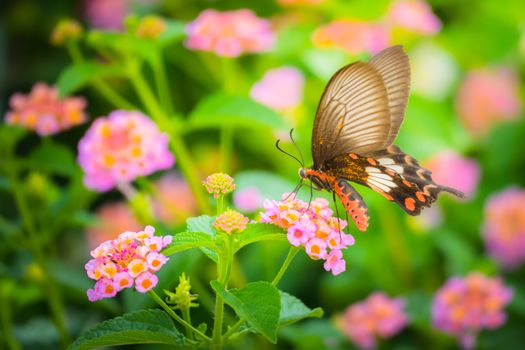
point(413, 15)
point(229, 33)
point(353, 36)
point(376, 316)
point(43, 111)
point(120, 148)
point(452, 169)
point(280, 88)
point(107, 14)
point(311, 226)
point(464, 306)
point(130, 259)
point(486, 97)
point(504, 227)
point(248, 199)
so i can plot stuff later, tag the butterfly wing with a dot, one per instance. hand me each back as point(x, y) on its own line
point(393, 66)
point(354, 114)
point(399, 178)
point(352, 202)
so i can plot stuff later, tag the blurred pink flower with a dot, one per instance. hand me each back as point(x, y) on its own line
point(129, 259)
point(173, 200)
point(280, 88)
point(230, 33)
point(248, 199)
point(353, 36)
point(120, 148)
point(465, 306)
point(376, 316)
point(413, 15)
point(311, 226)
point(504, 227)
point(451, 169)
point(44, 112)
point(107, 14)
point(299, 2)
point(112, 218)
point(486, 97)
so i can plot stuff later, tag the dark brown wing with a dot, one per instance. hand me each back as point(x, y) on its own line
point(393, 66)
point(354, 115)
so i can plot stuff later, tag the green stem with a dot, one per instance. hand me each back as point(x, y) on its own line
point(232, 330)
point(291, 254)
point(163, 89)
point(220, 205)
point(190, 173)
point(227, 132)
point(51, 292)
point(187, 317)
point(176, 317)
point(107, 92)
point(181, 152)
point(6, 318)
point(223, 275)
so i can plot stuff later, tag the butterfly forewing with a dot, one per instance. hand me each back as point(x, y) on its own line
point(352, 115)
point(393, 66)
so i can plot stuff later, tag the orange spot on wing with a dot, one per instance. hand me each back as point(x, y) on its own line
point(353, 156)
point(407, 184)
point(381, 192)
point(420, 196)
point(371, 161)
point(410, 204)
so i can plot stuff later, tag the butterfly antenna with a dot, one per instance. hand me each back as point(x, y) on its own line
point(297, 147)
point(287, 153)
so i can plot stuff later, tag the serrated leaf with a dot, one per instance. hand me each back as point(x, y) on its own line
point(220, 109)
point(293, 310)
point(258, 303)
point(139, 327)
point(201, 223)
point(188, 240)
point(79, 75)
point(53, 157)
point(260, 232)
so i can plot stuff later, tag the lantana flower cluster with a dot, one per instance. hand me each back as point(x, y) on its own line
point(120, 148)
point(504, 227)
point(229, 33)
point(231, 222)
point(129, 260)
point(43, 111)
point(465, 306)
point(376, 316)
point(219, 184)
point(311, 226)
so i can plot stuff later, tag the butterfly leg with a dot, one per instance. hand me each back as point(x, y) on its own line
point(352, 202)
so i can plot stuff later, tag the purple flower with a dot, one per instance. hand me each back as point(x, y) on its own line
point(280, 88)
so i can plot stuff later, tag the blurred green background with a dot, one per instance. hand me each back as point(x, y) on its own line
point(403, 256)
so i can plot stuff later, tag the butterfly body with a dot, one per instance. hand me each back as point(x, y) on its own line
point(357, 120)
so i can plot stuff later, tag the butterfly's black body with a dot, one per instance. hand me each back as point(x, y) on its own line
point(357, 120)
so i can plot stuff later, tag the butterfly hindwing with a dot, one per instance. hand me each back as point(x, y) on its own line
point(399, 178)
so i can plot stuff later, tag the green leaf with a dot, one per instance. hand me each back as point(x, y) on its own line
point(293, 310)
point(77, 76)
point(188, 240)
point(175, 32)
point(203, 224)
point(258, 303)
point(140, 327)
point(220, 109)
point(260, 232)
point(53, 157)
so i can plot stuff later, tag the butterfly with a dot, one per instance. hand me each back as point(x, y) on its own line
point(357, 120)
